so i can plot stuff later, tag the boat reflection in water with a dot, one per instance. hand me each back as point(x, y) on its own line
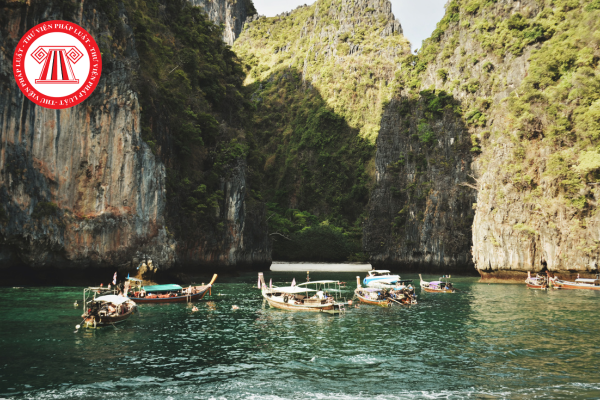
point(325, 297)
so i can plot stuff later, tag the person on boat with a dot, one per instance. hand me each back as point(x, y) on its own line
point(320, 295)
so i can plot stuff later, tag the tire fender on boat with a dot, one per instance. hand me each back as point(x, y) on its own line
point(285, 299)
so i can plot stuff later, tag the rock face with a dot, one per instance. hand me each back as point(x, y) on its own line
point(534, 136)
point(243, 241)
point(79, 187)
point(419, 214)
point(231, 13)
point(320, 76)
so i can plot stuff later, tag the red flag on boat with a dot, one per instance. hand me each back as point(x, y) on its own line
point(294, 282)
point(115, 279)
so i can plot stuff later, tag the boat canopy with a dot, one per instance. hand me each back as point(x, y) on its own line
point(112, 298)
point(162, 288)
point(313, 282)
point(292, 289)
point(585, 280)
point(135, 279)
point(375, 272)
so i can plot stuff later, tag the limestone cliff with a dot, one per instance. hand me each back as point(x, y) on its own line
point(83, 187)
point(320, 77)
point(419, 214)
point(231, 13)
point(525, 76)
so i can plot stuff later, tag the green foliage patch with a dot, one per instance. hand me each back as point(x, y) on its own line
point(193, 103)
point(44, 209)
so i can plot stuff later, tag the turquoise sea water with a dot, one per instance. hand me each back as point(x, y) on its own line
point(486, 342)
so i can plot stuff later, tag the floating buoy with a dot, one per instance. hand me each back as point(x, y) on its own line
point(75, 304)
point(349, 302)
point(234, 307)
point(194, 309)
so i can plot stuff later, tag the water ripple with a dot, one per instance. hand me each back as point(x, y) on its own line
point(486, 342)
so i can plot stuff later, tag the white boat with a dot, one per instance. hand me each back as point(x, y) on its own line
point(324, 297)
point(383, 279)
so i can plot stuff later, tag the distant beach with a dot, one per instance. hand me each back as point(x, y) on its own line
point(281, 266)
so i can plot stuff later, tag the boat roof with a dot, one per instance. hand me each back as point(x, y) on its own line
point(435, 282)
point(112, 298)
point(313, 282)
point(292, 289)
point(371, 289)
point(162, 288)
point(135, 279)
point(380, 270)
point(588, 280)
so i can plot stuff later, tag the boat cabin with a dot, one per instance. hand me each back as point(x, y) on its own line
point(378, 272)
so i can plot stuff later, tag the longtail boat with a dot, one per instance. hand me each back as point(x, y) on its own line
point(323, 298)
point(105, 310)
point(170, 293)
point(580, 283)
point(383, 297)
point(437, 286)
point(539, 282)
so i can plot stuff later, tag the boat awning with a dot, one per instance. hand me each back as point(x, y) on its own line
point(436, 283)
point(292, 289)
point(162, 288)
point(313, 282)
point(112, 298)
point(585, 280)
point(135, 279)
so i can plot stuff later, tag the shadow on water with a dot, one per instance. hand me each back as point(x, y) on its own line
point(487, 341)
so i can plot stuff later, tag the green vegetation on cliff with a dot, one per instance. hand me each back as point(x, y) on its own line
point(528, 78)
point(320, 78)
point(191, 95)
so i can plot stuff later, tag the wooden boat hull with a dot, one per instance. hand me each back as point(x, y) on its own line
point(201, 292)
point(104, 321)
point(575, 286)
point(532, 286)
point(328, 308)
point(428, 290)
point(380, 303)
point(176, 299)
